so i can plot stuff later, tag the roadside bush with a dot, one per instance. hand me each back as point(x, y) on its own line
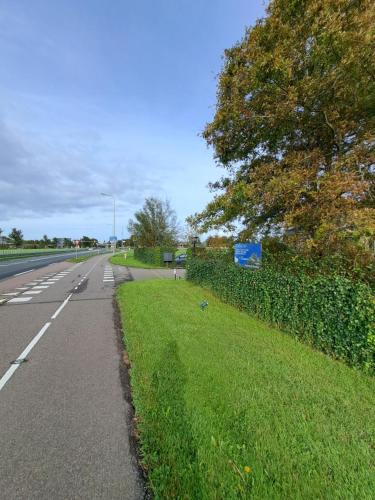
point(333, 314)
point(154, 255)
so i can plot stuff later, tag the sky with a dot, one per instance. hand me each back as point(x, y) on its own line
point(108, 97)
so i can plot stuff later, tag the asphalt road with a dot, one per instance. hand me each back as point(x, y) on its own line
point(26, 264)
point(64, 421)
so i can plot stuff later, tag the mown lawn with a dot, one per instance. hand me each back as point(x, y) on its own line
point(228, 407)
point(82, 258)
point(130, 261)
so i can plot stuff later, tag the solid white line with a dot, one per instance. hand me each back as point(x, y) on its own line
point(54, 316)
point(4, 379)
point(19, 274)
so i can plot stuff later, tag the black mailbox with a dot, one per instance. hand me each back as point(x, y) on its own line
point(168, 257)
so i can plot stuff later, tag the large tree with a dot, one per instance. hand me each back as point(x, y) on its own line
point(155, 224)
point(17, 236)
point(294, 127)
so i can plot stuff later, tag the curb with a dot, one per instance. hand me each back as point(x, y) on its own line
point(3, 301)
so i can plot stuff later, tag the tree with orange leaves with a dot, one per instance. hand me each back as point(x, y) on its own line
point(294, 129)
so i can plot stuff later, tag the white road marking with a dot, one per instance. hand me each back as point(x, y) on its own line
point(32, 283)
point(22, 288)
point(19, 299)
point(8, 374)
point(32, 292)
point(10, 294)
point(24, 272)
point(40, 287)
point(54, 316)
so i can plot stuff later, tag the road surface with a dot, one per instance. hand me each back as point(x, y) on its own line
point(25, 264)
point(64, 421)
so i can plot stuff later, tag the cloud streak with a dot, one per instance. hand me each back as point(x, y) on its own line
point(44, 178)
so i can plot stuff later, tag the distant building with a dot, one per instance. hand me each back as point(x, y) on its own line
point(4, 240)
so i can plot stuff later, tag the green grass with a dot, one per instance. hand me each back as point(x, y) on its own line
point(130, 261)
point(180, 251)
point(19, 253)
point(80, 259)
point(218, 391)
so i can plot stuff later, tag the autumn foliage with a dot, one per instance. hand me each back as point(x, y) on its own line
point(294, 129)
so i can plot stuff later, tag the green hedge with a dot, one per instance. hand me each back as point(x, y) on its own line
point(333, 314)
point(153, 255)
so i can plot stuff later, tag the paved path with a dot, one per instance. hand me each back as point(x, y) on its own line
point(145, 274)
point(63, 418)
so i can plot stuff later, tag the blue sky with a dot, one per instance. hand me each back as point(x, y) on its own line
point(108, 97)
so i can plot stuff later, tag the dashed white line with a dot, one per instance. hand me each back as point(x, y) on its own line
point(16, 300)
point(4, 379)
point(54, 316)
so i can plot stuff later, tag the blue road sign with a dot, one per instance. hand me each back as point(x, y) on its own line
point(113, 239)
point(248, 255)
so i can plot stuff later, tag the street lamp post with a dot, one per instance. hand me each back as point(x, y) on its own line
point(195, 241)
point(114, 215)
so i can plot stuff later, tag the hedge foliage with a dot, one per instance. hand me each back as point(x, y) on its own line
point(333, 314)
point(154, 255)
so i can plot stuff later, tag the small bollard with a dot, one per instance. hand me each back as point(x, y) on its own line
point(175, 273)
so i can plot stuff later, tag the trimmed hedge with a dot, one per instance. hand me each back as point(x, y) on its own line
point(153, 255)
point(333, 314)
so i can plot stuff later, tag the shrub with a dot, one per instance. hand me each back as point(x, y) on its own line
point(154, 255)
point(333, 314)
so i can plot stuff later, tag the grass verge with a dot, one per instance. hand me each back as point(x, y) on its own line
point(82, 258)
point(228, 407)
point(130, 261)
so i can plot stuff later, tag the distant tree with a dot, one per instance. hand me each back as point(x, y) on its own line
point(128, 242)
point(88, 242)
point(46, 241)
point(1, 231)
point(85, 242)
point(219, 241)
point(155, 224)
point(68, 242)
point(17, 236)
